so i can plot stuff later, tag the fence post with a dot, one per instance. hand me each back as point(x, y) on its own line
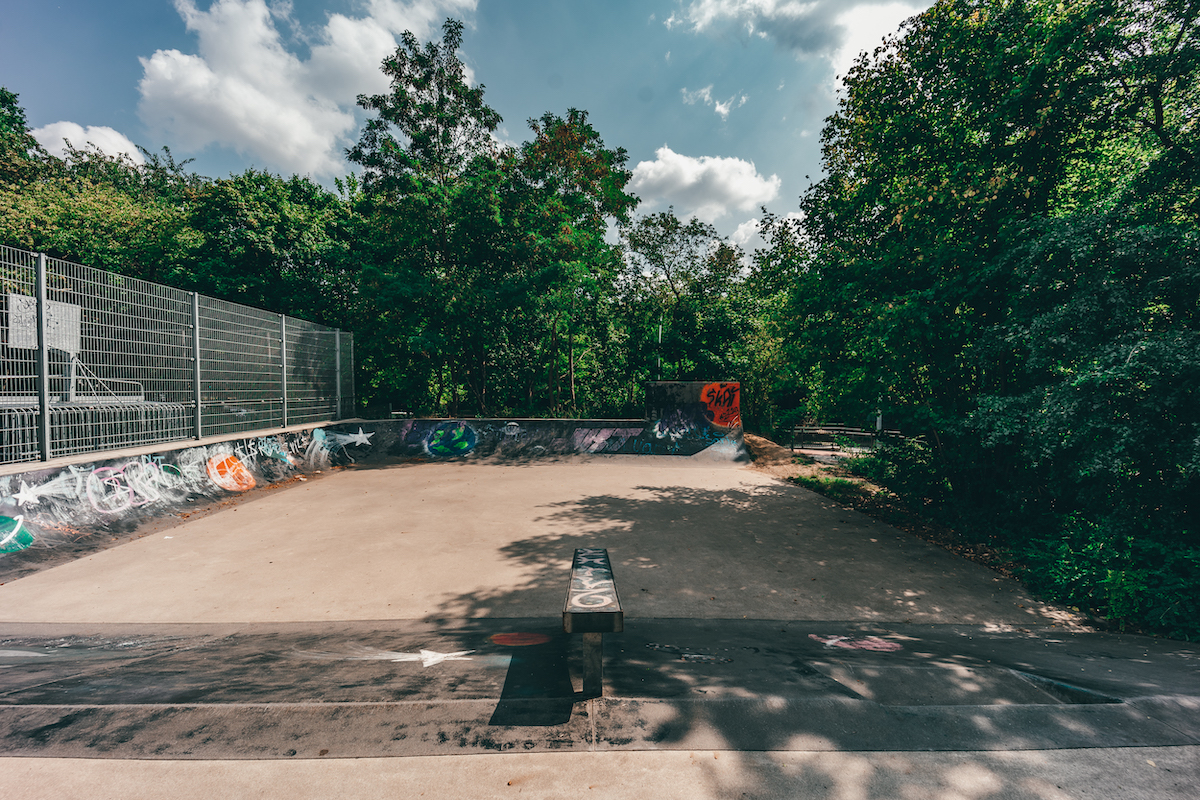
point(283, 366)
point(197, 392)
point(43, 360)
point(337, 354)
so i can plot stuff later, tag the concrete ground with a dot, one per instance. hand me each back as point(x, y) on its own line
point(397, 630)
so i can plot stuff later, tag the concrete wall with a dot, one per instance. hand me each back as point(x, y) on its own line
point(683, 419)
point(56, 504)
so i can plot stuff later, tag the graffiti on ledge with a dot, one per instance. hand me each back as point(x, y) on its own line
point(46, 507)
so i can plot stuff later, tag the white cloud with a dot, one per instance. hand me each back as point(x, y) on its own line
point(707, 187)
point(865, 27)
point(745, 232)
point(108, 141)
point(246, 90)
point(723, 109)
point(835, 30)
point(705, 96)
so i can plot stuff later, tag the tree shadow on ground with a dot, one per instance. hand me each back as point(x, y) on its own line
point(712, 660)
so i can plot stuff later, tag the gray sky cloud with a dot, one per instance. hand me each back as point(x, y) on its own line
point(835, 30)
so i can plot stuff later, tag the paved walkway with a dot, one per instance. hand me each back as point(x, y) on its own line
point(397, 630)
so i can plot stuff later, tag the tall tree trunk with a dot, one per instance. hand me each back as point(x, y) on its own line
point(571, 362)
point(552, 376)
point(441, 386)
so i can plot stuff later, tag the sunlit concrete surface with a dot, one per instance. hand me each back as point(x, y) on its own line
point(777, 645)
point(688, 539)
point(1128, 773)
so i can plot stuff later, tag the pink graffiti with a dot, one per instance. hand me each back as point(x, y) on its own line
point(865, 643)
point(112, 490)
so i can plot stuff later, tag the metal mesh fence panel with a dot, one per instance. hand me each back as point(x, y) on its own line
point(346, 373)
point(311, 372)
point(121, 367)
point(120, 360)
point(18, 367)
point(241, 383)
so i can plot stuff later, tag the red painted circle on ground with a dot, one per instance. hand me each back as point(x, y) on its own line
point(519, 639)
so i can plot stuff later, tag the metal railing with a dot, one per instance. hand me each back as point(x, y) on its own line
point(92, 360)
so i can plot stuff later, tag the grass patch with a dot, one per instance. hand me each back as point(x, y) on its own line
point(840, 489)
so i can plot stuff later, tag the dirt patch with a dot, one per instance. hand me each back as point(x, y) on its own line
point(781, 462)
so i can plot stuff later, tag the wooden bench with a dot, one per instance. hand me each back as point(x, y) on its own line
point(593, 609)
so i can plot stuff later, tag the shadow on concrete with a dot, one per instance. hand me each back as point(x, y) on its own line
point(537, 687)
point(704, 677)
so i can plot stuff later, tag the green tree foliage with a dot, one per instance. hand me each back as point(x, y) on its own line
point(100, 210)
point(277, 244)
point(566, 188)
point(432, 174)
point(21, 157)
point(1002, 253)
point(488, 266)
point(681, 279)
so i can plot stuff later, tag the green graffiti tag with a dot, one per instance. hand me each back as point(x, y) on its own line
point(451, 439)
point(14, 536)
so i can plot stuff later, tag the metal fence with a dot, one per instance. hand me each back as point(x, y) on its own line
point(91, 360)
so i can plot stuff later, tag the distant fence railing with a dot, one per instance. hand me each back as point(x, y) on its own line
point(831, 436)
point(92, 360)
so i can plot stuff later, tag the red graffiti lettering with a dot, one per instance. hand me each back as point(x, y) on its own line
point(722, 400)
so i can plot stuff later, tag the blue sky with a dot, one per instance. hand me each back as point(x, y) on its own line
point(718, 102)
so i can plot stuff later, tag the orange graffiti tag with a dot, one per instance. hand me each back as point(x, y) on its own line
point(721, 400)
point(229, 473)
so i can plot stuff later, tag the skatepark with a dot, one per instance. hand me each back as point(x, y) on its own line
point(396, 628)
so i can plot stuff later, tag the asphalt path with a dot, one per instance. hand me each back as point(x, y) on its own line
point(399, 629)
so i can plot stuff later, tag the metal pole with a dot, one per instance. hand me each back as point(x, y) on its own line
point(283, 366)
point(593, 665)
point(43, 360)
point(196, 390)
point(337, 354)
point(660, 324)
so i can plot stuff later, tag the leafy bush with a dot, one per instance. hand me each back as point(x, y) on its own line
point(1129, 576)
point(906, 467)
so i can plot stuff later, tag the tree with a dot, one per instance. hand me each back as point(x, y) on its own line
point(22, 159)
point(443, 122)
point(1004, 251)
point(428, 159)
point(272, 243)
point(681, 279)
point(567, 187)
point(979, 116)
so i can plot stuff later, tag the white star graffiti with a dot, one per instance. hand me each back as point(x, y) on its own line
point(28, 494)
point(359, 438)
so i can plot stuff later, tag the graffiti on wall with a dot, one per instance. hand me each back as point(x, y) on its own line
point(722, 403)
point(44, 507)
point(686, 434)
point(13, 534)
point(451, 439)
